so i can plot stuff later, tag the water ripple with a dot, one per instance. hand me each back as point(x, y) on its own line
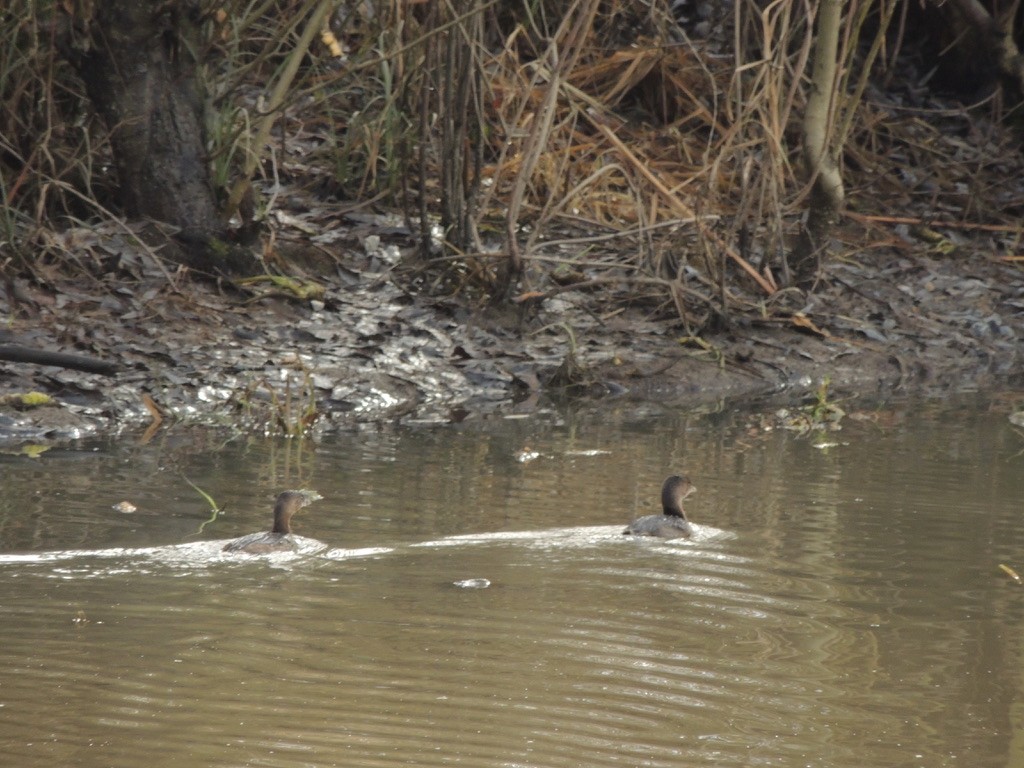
point(587, 648)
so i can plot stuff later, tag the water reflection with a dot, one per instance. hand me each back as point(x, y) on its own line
point(838, 607)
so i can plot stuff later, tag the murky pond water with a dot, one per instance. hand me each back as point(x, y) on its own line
point(841, 606)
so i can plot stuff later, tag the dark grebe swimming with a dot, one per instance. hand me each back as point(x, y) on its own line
point(278, 538)
point(672, 523)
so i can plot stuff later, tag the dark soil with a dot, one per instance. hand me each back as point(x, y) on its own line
point(368, 349)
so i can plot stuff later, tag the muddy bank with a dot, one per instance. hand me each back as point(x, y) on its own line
point(362, 348)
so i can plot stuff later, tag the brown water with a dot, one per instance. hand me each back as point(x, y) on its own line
point(842, 606)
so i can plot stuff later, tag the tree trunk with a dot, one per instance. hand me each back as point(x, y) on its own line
point(141, 75)
point(827, 192)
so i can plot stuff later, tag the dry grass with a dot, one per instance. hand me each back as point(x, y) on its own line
point(665, 165)
point(52, 160)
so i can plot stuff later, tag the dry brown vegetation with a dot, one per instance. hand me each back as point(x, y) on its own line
point(571, 144)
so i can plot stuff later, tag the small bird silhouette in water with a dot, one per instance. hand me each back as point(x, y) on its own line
point(278, 538)
point(672, 523)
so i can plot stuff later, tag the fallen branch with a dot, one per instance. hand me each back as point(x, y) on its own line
point(17, 354)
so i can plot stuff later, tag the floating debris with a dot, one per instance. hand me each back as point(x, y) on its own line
point(1010, 572)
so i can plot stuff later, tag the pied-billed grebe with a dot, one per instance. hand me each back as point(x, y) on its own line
point(672, 523)
point(278, 538)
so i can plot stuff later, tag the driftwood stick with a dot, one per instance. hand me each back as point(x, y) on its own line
point(17, 354)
